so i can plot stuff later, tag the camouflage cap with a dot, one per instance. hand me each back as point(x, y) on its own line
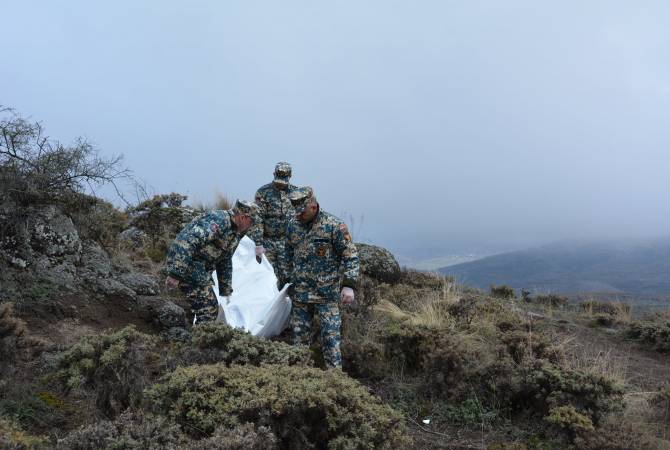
point(245, 207)
point(299, 198)
point(282, 172)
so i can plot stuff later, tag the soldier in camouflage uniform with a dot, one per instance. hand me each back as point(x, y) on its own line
point(275, 210)
point(204, 245)
point(324, 268)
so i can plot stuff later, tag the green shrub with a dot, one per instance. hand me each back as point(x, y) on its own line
point(129, 431)
point(213, 343)
point(569, 419)
point(304, 407)
point(546, 386)
point(161, 218)
point(117, 366)
point(242, 437)
point(504, 292)
point(97, 220)
point(654, 332)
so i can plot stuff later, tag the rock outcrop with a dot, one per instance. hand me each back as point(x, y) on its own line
point(378, 263)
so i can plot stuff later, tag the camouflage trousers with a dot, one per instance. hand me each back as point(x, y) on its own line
point(303, 315)
point(204, 305)
point(275, 251)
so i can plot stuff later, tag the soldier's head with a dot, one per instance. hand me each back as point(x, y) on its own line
point(245, 214)
point(282, 175)
point(305, 204)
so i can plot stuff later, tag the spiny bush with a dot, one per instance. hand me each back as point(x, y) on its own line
point(653, 332)
point(304, 407)
point(524, 346)
point(161, 218)
point(569, 419)
point(116, 366)
point(131, 430)
point(212, 343)
point(545, 386)
point(96, 220)
point(242, 437)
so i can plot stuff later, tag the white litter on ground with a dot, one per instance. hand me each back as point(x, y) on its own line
point(256, 304)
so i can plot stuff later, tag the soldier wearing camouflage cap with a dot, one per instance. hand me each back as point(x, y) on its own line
point(323, 270)
point(204, 245)
point(275, 210)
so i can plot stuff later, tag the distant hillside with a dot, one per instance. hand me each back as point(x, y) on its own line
point(633, 267)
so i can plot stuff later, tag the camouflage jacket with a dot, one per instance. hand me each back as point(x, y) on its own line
point(275, 210)
point(204, 245)
point(320, 254)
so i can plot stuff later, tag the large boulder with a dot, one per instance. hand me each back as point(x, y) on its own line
point(141, 283)
point(161, 312)
point(378, 263)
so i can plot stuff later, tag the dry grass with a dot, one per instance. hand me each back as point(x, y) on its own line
point(619, 312)
point(220, 201)
point(429, 309)
point(597, 362)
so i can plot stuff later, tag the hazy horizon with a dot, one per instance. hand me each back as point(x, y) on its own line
point(438, 127)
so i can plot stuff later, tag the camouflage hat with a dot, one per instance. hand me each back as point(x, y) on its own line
point(299, 198)
point(282, 173)
point(245, 207)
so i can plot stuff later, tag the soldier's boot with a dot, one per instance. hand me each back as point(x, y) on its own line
point(330, 323)
point(204, 305)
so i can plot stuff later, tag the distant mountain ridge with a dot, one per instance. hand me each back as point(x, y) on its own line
point(632, 267)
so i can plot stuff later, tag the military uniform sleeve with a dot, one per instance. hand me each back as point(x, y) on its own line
point(179, 259)
point(289, 248)
point(224, 275)
point(346, 250)
point(255, 233)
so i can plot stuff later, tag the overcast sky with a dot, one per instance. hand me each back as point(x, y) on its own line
point(438, 126)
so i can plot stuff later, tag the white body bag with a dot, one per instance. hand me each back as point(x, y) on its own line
point(256, 304)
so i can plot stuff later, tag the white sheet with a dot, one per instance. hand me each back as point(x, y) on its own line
point(256, 305)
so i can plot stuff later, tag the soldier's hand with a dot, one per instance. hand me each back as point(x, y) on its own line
point(347, 296)
point(171, 283)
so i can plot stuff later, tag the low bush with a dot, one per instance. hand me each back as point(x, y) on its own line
point(304, 407)
point(653, 332)
point(546, 386)
point(129, 431)
point(220, 343)
point(116, 366)
point(161, 218)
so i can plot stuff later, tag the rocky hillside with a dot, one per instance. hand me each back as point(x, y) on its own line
point(96, 355)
